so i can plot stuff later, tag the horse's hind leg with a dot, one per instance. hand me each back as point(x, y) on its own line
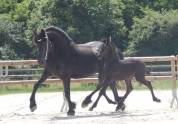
point(148, 84)
point(35, 87)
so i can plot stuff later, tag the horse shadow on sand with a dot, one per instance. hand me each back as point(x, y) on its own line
point(102, 114)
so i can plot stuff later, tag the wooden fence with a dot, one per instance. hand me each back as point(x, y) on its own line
point(169, 72)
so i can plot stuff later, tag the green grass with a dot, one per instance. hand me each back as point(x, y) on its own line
point(11, 89)
point(159, 85)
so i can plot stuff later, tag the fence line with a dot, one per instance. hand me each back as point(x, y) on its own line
point(172, 64)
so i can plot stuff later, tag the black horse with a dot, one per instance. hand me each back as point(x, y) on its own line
point(62, 57)
point(116, 69)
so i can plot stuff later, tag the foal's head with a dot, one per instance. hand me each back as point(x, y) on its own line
point(42, 42)
point(111, 50)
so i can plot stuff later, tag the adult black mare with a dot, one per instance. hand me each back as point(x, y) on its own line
point(62, 57)
point(115, 69)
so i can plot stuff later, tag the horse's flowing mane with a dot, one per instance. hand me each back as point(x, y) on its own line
point(60, 31)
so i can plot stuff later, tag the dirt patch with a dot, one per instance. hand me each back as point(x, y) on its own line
point(140, 108)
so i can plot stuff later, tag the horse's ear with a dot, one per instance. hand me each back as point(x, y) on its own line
point(43, 33)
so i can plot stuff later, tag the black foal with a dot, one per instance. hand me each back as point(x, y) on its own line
point(115, 69)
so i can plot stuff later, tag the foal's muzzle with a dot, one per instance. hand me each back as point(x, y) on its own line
point(41, 61)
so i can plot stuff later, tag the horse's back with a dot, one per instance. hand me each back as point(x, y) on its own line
point(84, 60)
point(91, 48)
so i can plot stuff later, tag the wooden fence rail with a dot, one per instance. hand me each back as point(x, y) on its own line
point(171, 75)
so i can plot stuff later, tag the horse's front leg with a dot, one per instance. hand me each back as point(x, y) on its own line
point(44, 76)
point(72, 105)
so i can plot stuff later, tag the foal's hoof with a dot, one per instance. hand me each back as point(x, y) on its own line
point(71, 113)
point(156, 100)
point(90, 109)
point(85, 103)
point(121, 107)
point(33, 108)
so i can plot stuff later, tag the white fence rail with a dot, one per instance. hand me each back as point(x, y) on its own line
point(28, 71)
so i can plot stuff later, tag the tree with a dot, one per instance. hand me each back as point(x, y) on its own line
point(155, 34)
point(84, 20)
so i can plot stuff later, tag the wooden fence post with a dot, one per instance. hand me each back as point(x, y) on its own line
point(174, 87)
point(6, 70)
point(1, 70)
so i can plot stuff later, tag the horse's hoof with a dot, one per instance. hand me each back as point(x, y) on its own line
point(156, 100)
point(71, 113)
point(120, 107)
point(33, 108)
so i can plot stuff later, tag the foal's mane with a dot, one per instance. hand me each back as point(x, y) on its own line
point(112, 52)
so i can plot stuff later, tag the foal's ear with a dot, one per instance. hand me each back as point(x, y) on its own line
point(43, 33)
point(108, 40)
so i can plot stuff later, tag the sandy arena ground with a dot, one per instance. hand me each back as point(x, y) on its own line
point(14, 109)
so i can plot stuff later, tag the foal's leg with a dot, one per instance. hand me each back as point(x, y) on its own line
point(115, 93)
point(44, 76)
point(72, 105)
point(103, 89)
point(87, 100)
point(148, 84)
point(114, 90)
point(129, 88)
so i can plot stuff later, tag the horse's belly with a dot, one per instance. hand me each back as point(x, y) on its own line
point(84, 71)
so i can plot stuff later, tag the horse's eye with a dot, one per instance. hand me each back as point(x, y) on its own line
point(39, 40)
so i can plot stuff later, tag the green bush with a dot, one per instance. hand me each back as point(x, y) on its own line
point(84, 20)
point(13, 44)
point(154, 34)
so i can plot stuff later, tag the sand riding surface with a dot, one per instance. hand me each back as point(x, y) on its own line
point(14, 109)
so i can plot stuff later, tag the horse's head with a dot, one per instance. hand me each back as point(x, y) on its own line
point(42, 42)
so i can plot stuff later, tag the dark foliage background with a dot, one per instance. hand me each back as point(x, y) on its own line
point(138, 27)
